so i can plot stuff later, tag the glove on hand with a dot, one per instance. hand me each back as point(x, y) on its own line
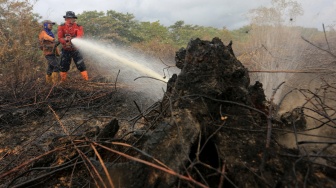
point(68, 45)
point(68, 38)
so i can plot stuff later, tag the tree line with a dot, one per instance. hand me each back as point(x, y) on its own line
point(19, 28)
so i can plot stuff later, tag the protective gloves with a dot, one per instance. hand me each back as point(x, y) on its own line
point(68, 43)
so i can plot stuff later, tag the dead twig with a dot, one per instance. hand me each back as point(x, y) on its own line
point(142, 152)
point(221, 181)
point(325, 36)
point(103, 165)
point(227, 102)
point(330, 53)
point(72, 173)
point(166, 68)
point(269, 126)
point(40, 177)
point(59, 121)
point(29, 161)
point(169, 171)
point(115, 83)
point(85, 158)
point(270, 116)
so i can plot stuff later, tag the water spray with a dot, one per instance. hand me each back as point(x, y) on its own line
point(131, 65)
point(83, 45)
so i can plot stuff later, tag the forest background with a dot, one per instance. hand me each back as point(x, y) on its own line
point(21, 59)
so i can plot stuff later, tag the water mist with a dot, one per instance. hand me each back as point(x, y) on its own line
point(275, 44)
point(276, 48)
point(137, 71)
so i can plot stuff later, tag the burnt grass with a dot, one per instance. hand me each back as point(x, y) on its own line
point(209, 130)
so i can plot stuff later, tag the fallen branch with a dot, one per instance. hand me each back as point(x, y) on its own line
point(29, 161)
point(169, 171)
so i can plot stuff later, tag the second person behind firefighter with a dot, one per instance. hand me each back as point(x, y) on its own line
point(66, 32)
point(50, 50)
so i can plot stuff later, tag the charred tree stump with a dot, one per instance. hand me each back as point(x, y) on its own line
point(212, 87)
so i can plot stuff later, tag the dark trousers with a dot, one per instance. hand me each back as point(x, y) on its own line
point(53, 64)
point(66, 60)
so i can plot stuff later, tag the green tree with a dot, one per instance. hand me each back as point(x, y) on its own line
point(110, 26)
point(181, 33)
point(124, 26)
point(94, 23)
point(148, 31)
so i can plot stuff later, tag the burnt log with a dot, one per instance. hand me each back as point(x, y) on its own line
point(212, 84)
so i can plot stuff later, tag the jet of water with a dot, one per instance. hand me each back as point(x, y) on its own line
point(87, 46)
point(132, 66)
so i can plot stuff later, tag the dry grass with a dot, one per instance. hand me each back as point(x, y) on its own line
point(155, 48)
point(21, 62)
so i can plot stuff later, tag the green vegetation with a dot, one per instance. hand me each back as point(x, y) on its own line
point(118, 27)
point(111, 26)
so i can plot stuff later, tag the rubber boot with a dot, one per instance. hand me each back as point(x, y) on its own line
point(85, 75)
point(63, 76)
point(55, 77)
point(48, 79)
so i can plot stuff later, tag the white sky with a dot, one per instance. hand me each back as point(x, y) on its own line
point(216, 13)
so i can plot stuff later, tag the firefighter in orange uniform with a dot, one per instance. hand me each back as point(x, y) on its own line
point(66, 32)
point(50, 51)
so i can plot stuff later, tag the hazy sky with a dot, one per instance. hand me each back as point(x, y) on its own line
point(216, 13)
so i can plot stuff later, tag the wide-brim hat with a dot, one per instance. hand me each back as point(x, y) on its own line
point(70, 14)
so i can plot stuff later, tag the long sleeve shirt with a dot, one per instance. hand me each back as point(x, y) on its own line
point(69, 29)
point(47, 44)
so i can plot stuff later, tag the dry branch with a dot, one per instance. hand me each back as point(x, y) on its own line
point(29, 162)
point(329, 52)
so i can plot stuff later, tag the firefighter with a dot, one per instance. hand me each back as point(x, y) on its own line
point(66, 32)
point(50, 51)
